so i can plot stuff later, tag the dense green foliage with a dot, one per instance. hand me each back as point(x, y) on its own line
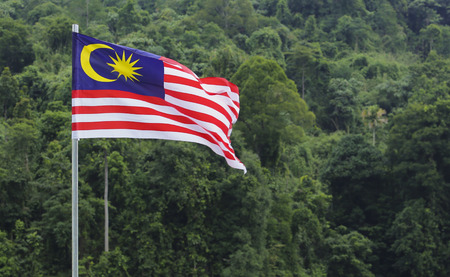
point(344, 129)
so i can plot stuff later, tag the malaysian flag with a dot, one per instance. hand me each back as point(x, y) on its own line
point(121, 92)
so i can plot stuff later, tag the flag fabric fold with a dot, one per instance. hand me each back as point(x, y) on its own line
point(121, 92)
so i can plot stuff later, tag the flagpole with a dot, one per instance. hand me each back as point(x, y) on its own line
point(75, 197)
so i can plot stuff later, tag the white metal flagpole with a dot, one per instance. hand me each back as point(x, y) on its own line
point(75, 197)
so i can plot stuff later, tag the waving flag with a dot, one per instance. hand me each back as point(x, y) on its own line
point(120, 92)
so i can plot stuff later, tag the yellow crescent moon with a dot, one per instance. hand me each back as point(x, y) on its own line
point(86, 65)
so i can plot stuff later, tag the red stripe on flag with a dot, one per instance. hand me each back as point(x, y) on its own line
point(149, 111)
point(106, 93)
point(142, 110)
point(128, 110)
point(199, 100)
point(223, 82)
point(161, 127)
point(187, 116)
point(176, 65)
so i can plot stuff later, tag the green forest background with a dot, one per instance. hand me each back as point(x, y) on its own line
point(344, 129)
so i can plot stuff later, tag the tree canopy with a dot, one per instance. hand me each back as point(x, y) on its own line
point(343, 127)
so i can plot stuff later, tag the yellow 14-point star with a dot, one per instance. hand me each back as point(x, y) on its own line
point(125, 67)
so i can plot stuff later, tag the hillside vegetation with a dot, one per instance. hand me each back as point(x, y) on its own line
point(344, 129)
